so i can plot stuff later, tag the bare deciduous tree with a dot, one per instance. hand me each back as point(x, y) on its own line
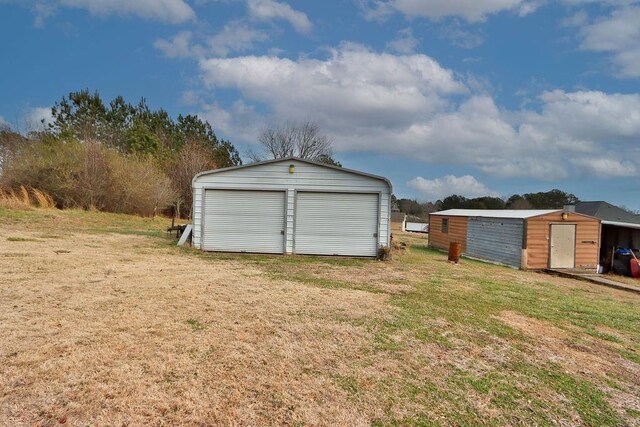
point(9, 143)
point(299, 139)
point(194, 157)
point(93, 181)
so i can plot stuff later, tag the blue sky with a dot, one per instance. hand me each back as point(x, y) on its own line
point(482, 97)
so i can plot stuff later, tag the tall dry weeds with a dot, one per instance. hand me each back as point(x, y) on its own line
point(10, 200)
point(23, 195)
point(21, 199)
point(87, 176)
point(42, 199)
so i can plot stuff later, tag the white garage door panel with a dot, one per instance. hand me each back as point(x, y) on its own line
point(244, 221)
point(336, 224)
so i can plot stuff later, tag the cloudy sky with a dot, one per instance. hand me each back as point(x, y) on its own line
point(474, 97)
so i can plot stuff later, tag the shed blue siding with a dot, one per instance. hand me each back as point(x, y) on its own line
point(496, 239)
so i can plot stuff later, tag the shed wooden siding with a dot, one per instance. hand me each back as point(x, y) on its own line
point(397, 225)
point(457, 231)
point(307, 177)
point(538, 235)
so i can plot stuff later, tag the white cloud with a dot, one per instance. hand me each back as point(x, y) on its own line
point(590, 114)
point(43, 11)
point(471, 11)
point(265, 10)
point(461, 38)
point(618, 34)
point(607, 167)
point(376, 10)
point(578, 19)
point(434, 189)
point(410, 105)
point(37, 118)
point(353, 82)
point(614, 31)
point(241, 120)
point(171, 11)
point(404, 42)
point(235, 37)
point(177, 47)
point(190, 97)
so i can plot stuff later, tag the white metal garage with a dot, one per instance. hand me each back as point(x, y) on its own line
point(291, 206)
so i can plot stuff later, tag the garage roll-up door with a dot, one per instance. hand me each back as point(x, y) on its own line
point(244, 221)
point(336, 224)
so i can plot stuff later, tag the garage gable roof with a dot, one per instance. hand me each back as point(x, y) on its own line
point(497, 213)
point(288, 159)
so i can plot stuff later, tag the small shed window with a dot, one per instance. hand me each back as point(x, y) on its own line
point(445, 225)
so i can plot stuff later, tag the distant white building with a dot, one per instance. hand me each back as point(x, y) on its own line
point(417, 227)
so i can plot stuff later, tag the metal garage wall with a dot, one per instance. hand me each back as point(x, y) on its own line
point(336, 224)
point(244, 221)
point(274, 175)
point(495, 239)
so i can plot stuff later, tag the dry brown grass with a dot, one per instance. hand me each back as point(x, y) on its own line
point(111, 329)
point(15, 200)
point(21, 199)
point(42, 199)
point(632, 281)
point(95, 330)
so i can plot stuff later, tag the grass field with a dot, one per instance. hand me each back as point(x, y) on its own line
point(104, 321)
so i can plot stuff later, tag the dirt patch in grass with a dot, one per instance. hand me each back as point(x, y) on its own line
point(576, 353)
point(583, 356)
point(373, 276)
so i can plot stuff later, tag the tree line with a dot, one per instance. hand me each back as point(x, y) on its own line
point(115, 156)
point(553, 199)
point(122, 157)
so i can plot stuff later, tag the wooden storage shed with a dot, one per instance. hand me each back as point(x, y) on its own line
point(528, 239)
point(291, 206)
point(398, 221)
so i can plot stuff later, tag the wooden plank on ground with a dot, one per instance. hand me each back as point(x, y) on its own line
point(185, 235)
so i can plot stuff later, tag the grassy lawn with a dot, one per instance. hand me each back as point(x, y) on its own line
point(105, 321)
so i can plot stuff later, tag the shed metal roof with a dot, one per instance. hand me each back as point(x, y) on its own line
point(497, 213)
point(622, 224)
point(398, 216)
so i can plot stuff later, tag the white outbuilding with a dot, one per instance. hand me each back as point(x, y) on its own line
point(291, 206)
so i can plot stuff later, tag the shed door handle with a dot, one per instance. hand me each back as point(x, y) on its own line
point(282, 232)
point(375, 234)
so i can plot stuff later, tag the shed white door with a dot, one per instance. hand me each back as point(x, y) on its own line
point(563, 246)
point(244, 221)
point(336, 224)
